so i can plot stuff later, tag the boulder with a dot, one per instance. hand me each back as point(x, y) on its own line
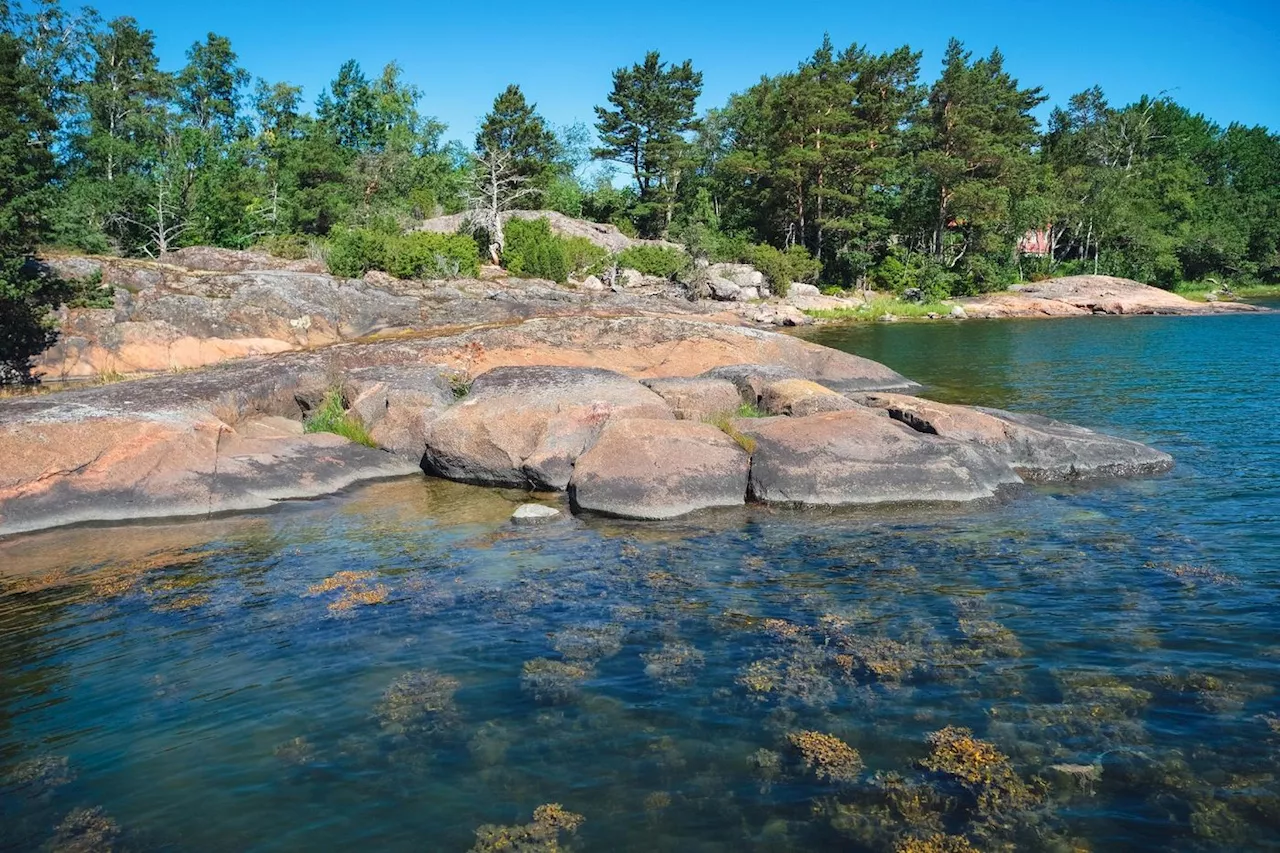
point(747, 294)
point(396, 404)
point(799, 288)
point(72, 464)
point(779, 314)
point(696, 399)
point(801, 397)
point(215, 259)
point(1039, 449)
point(751, 379)
point(739, 275)
point(1042, 449)
point(592, 283)
point(723, 289)
point(647, 469)
point(861, 456)
point(526, 426)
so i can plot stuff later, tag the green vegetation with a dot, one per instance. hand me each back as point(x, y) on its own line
point(532, 250)
point(724, 423)
point(782, 268)
point(332, 416)
point(355, 251)
point(882, 306)
point(660, 261)
point(852, 169)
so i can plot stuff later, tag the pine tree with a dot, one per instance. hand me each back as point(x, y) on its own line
point(653, 108)
point(514, 129)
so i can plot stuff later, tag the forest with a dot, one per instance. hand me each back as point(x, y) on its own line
point(855, 168)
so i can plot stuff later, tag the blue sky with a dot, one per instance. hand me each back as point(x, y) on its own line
point(1220, 58)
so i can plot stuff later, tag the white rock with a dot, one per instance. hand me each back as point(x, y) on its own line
point(748, 294)
point(723, 288)
point(958, 312)
point(802, 289)
point(534, 514)
point(591, 283)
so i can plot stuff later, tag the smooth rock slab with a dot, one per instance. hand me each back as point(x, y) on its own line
point(656, 469)
point(693, 399)
point(525, 426)
point(861, 456)
point(1038, 448)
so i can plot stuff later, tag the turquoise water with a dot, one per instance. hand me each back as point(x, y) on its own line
point(199, 686)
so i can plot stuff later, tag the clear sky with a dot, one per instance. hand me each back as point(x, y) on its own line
point(1220, 58)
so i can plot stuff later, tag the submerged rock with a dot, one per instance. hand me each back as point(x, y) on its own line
point(534, 514)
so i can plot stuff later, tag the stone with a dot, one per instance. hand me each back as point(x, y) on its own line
point(1079, 295)
point(741, 275)
point(801, 289)
point(526, 426)
point(396, 404)
point(535, 514)
point(695, 399)
point(723, 289)
point(801, 397)
point(72, 464)
point(748, 294)
point(647, 469)
point(958, 312)
point(861, 456)
point(1038, 449)
point(592, 283)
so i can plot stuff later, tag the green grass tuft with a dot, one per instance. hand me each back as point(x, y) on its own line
point(724, 423)
point(879, 307)
point(333, 417)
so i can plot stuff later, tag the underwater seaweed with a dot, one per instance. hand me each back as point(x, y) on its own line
point(540, 836)
point(554, 682)
point(419, 702)
point(674, 664)
point(89, 830)
point(830, 758)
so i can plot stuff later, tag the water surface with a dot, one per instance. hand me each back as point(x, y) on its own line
point(398, 667)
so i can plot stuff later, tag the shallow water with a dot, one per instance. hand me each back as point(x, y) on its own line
point(205, 688)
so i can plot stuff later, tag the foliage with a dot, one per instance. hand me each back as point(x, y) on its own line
point(652, 108)
point(883, 306)
point(514, 127)
point(353, 252)
point(332, 416)
point(27, 167)
point(533, 250)
point(431, 256)
point(650, 259)
point(780, 268)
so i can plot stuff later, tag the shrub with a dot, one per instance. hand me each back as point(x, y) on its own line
point(291, 247)
point(533, 250)
point(649, 259)
point(353, 252)
point(332, 416)
point(426, 255)
point(781, 268)
point(584, 256)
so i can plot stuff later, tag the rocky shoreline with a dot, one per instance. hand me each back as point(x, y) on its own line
point(647, 410)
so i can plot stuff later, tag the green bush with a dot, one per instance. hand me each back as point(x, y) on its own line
point(353, 252)
point(782, 268)
point(584, 256)
point(426, 255)
point(291, 247)
point(532, 250)
point(661, 261)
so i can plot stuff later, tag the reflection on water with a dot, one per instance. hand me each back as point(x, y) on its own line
point(400, 668)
